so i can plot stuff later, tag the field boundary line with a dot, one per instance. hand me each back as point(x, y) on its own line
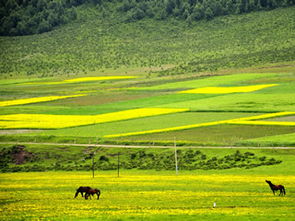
point(144, 146)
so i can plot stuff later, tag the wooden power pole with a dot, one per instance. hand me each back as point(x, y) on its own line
point(175, 153)
point(93, 154)
point(118, 164)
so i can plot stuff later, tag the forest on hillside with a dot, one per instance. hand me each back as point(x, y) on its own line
point(26, 17)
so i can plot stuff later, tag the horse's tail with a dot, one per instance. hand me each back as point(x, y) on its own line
point(284, 191)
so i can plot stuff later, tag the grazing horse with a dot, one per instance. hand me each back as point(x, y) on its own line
point(274, 188)
point(82, 189)
point(91, 192)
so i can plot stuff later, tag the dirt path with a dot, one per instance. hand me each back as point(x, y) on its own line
point(142, 146)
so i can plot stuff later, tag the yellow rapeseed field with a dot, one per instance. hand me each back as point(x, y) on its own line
point(226, 90)
point(50, 121)
point(36, 100)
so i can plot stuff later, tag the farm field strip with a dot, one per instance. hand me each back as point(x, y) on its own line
point(47, 121)
point(245, 120)
point(286, 139)
point(227, 90)
point(167, 129)
point(253, 102)
point(222, 80)
point(274, 123)
point(36, 100)
point(143, 124)
point(85, 79)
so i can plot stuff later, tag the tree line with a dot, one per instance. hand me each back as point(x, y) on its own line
point(194, 10)
point(25, 17)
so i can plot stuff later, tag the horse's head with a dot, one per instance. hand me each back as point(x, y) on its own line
point(268, 181)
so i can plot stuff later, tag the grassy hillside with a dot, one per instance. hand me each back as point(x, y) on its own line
point(96, 43)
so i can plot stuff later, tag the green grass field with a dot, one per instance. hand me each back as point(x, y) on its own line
point(154, 195)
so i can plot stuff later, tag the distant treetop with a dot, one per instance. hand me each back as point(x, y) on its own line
point(25, 17)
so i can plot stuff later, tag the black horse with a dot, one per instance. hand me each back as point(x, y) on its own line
point(275, 188)
point(82, 189)
point(88, 192)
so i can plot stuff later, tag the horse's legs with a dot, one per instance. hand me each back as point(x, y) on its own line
point(76, 194)
point(282, 191)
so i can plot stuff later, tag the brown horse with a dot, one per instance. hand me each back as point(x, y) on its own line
point(91, 192)
point(275, 188)
point(88, 192)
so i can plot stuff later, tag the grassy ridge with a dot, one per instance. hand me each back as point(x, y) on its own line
point(91, 45)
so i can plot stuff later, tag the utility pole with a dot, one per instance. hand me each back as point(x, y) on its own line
point(175, 153)
point(93, 154)
point(118, 164)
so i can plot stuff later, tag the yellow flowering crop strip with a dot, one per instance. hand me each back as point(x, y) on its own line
point(86, 79)
point(244, 120)
point(49, 121)
point(226, 90)
point(36, 100)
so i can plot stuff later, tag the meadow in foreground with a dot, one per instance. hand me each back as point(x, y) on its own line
point(146, 195)
point(140, 194)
